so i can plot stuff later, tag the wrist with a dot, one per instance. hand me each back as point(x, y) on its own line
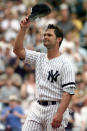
point(23, 29)
point(59, 112)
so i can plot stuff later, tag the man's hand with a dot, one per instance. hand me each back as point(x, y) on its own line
point(25, 23)
point(7, 113)
point(57, 119)
point(16, 113)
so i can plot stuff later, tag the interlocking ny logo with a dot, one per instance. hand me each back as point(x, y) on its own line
point(53, 77)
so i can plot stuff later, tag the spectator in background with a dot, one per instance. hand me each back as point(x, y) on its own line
point(82, 10)
point(77, 24)
point(18, 67)
point(80, 93)
point(85, 66)
point(67, 42)
point(7, 56)
point(39, 45)
point(49, 19)
point(31, 36)
point(13, 114)
point(84, 76)
point(7, 25)
point(68, 47)
point(79, 76)
point(10, 73)
point(84, 29)
point(7, 90)
point(29, 3)
point(6, 53)
point(84, 69)
point(28, 91)
point(2, 66)
point(65, 23)
point(1, 52)
point(78, 124)
point(80, 52)
point(84, 114)
point(70, 123)
point(84, 36)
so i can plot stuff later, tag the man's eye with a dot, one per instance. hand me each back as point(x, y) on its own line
point(49, 35)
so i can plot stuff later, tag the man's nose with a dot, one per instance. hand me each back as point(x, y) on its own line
point(46, 36)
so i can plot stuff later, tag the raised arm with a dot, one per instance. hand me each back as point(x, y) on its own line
point(18, 45)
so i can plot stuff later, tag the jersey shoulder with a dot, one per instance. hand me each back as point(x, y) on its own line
point(65, 59)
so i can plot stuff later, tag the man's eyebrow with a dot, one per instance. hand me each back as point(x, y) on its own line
point(48, 34)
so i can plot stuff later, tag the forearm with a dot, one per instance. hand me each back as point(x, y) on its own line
point(21, 116)
point(18, 45)
point(23, 91)
point(64, 103)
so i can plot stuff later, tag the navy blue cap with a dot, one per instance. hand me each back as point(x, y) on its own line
point(39, 10)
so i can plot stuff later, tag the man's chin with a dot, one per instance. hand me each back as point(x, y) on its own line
point(45, 44)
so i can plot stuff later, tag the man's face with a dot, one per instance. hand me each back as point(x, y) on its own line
point(49, 39)
point(13, 103)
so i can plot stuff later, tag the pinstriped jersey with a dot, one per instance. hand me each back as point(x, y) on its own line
point(53, 77)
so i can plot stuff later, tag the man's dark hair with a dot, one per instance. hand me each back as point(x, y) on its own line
point(58, 32)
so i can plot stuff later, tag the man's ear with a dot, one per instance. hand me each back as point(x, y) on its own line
point(59, 39)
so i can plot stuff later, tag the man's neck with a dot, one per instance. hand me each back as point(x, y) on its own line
point(52, 54)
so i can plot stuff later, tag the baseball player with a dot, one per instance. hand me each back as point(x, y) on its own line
point(55, 81)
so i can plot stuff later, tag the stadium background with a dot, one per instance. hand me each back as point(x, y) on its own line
point(17, 78)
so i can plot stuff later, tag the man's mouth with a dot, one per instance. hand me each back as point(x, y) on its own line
point(46, 40)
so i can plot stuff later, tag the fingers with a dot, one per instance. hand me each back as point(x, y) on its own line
point(24, 22)
point(55, 124)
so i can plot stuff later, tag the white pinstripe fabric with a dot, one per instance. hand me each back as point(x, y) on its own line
point(45, 89)
point(32, 126)
point(41, 117)
point(48, 88)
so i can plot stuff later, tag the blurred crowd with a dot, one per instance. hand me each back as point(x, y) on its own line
point(17, 80)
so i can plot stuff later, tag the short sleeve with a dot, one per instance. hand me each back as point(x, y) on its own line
point(68, 78)
point(31, 56)
point(4, 111)
point(20, 110)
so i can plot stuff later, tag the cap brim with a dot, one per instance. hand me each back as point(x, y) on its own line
point(33, 16)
